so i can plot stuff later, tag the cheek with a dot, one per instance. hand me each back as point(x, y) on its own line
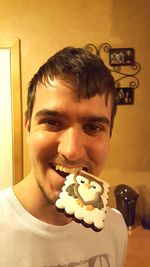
point(42, 146)
point(99, 152)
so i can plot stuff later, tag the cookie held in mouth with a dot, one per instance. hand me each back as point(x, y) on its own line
point(85, 198)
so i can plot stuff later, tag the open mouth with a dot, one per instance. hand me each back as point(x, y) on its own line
point(65, 171)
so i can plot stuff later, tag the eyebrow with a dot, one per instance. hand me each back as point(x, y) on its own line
point(63, 115)
point(101, 119)
point(47, 112)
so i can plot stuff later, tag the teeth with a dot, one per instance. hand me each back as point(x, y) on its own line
point(67, 170)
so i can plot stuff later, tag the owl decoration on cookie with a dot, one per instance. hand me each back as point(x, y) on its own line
point(85, 198)
point(87, 191)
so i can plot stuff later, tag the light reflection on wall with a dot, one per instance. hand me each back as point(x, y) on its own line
point(6, 169)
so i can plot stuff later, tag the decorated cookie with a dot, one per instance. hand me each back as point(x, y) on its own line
point(85, 198)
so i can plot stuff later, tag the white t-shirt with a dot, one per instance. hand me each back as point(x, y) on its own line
point(26, 241)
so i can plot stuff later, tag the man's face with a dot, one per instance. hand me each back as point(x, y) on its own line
point(66, 135)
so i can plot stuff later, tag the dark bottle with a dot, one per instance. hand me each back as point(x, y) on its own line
point(126, 198)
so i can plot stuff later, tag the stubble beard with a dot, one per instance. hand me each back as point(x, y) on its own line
point(46, 195)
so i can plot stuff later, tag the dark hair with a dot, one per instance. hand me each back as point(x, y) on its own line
point(80, 69)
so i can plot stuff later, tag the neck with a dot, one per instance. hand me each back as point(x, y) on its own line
point(33, 200)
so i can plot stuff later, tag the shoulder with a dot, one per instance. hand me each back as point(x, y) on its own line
point(116, 226)
point(116, 230)
point(115, 214)
point(114, 218)
point(5, 197)
point(4, 205)
point(4, 192)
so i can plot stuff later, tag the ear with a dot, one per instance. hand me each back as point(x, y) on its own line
point(27, 126)
point(26, 122)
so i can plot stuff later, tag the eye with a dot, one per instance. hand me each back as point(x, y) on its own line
point(93, 128)
point(81, 179)
point(52, 124)
point(96, 186)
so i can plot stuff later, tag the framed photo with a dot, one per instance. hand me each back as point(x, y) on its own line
point(121, 56)
point(125, 96)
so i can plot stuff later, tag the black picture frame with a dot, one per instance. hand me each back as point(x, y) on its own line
point(125, 96)
point(121, 56)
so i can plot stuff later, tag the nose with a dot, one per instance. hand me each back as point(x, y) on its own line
point(72, 145)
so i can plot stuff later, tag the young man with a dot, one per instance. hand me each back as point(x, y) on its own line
point(69, 119)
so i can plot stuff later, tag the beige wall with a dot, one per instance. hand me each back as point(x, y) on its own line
point(46, 26)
